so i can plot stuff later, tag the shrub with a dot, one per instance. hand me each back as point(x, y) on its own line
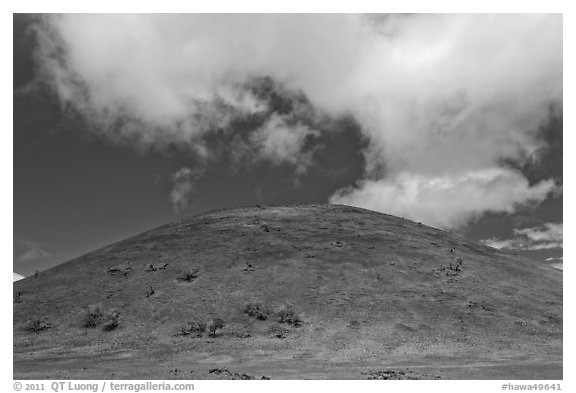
point(248, 268)
point(150, 268)
point(36, 325)
point(96, 316)
point(257, 311)
point(111, 320)
point(198, 327)
point(189, 275)
point(93, 316)
point(215, 324)
point(456, 264)
point(279, 331)
point(289, 316)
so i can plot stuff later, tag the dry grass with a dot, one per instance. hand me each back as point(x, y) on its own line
point(368, 287)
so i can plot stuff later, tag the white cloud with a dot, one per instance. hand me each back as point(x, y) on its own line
point(549, 232)
point(447, 101)
point(180, 75)
point(440, 98)
point(507, 244)
point(557, 265)
point(34, 254)
point(446, 201)
point(544, 237)
point(281, 142)
point(17, 277)
point(554, 259)
point(184, 180)
point(29, 254)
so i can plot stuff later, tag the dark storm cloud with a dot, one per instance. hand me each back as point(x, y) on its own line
point(443, 100)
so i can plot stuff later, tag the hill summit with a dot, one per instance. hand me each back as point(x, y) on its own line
point(315, 291)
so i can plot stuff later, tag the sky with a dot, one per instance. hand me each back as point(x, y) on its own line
point(125, 122)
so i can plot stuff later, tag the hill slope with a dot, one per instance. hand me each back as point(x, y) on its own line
point(373, 291)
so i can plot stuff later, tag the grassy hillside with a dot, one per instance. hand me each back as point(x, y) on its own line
point(373, 292)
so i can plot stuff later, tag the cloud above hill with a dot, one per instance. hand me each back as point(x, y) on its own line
point(556, 262)
point(450, 200)
point(544, 237)
point(184, 186)
point(442, 100)
point(29, 251)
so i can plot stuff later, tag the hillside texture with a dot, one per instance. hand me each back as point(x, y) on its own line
point(377, 296)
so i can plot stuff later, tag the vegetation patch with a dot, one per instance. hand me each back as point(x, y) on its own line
point(193, 327)
point(214, 325)
point(354, 324)
point(279, 331)
point(37, 325)
point(454, 268)
point(190, 274)
point(121, 268)
point(287, 314)
point(233, 375)
point(248, 268)
point(152, 268)
point(257, 310)
point(96, 316)
point(456, 264)
point(111, 320)
point(394, 374)
point(150, 291)
point(482, 306)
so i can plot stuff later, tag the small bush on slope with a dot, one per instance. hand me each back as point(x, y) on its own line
point(96, 315)
point(198, 327)
point(257, 311)
point(214, 325)
point(36, 325)
point(286, 314)
point(189, 275)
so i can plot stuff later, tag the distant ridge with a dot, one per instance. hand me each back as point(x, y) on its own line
point(17, 277)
